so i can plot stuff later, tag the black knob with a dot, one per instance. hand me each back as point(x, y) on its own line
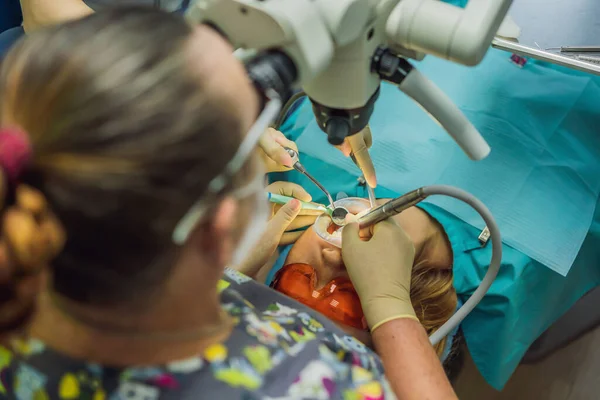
point(337, 129)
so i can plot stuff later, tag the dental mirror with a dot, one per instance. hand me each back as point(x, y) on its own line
point(338, 215)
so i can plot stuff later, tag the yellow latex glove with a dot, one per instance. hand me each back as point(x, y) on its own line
point(358, 146)
point(301, 219)
point(281, 230)
point(272, 151)
point(380, 269)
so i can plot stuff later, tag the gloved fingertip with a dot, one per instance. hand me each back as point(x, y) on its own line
point(282, 140)
point(285, 159)
point(295, 205)
point(371, 180)
point(345, 148)
point(285, 216)
point(303, 195)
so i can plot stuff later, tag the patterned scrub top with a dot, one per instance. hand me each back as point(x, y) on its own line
point(279, 349)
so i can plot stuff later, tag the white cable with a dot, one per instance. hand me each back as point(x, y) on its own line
point(493, 269)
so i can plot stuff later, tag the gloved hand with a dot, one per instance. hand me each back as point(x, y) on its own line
point(272, 151)
point(357, 146)
point(380, 269)
point(301, 219)
point(284, 220)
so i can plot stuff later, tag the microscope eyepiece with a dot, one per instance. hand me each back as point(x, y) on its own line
point(273, 70)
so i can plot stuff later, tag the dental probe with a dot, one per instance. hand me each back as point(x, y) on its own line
point(338, 214)
point(300, 168)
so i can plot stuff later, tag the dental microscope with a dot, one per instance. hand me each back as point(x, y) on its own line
point(339, 51)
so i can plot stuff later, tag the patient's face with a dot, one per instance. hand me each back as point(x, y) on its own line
point(324, 257)
point(315, 275)
point(314, 272)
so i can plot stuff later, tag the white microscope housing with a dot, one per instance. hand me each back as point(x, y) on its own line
point(332, 46)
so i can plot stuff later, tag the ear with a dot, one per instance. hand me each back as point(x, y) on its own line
point(215, 237)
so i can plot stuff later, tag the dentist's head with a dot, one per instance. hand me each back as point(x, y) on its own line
point(137, 126)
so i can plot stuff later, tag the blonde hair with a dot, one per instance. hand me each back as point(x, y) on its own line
point(433, 298)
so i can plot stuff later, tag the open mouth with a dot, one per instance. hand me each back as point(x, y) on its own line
point(331, 231)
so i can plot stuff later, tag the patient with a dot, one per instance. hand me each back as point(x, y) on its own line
point(314, 274)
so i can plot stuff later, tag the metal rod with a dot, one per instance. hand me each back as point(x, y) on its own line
point(579, 49)
point(590, 59)
point(370, 191)
point(300, 168)
point(553, 58)
point(372, 198)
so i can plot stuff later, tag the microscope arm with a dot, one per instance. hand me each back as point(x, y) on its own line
point(411, 82)
point(446, 113)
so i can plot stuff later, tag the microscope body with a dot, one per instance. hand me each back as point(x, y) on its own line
point(332, 47)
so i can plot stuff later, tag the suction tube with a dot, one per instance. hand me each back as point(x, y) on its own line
point(494, 267)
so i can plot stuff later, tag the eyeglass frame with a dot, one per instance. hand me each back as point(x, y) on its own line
point(269, 113)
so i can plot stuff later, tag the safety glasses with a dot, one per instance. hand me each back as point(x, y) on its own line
point(269, 113)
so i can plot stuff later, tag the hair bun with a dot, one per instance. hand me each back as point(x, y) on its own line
point(15, 153)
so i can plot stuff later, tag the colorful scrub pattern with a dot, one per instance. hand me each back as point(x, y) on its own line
point(278, 350)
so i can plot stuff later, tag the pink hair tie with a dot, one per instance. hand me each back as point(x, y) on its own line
point(15, 153)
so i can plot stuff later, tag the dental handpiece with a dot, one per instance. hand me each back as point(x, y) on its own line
point(391, 208)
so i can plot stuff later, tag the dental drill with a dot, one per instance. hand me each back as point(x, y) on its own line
point(399, 204)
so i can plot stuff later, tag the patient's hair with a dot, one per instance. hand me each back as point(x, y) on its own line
point(433, 297)
point(125, 139)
